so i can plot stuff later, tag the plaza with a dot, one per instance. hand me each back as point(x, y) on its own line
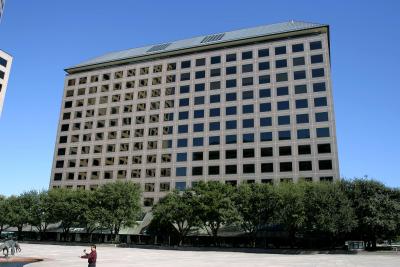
point(57, 255)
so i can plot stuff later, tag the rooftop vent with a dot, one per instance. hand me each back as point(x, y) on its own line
point(212, 38)
point(158, 47)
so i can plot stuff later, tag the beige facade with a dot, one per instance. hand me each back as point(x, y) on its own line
point(255, 109)
point(5, 67)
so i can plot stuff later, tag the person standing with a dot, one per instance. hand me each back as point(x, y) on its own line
point(92, 256)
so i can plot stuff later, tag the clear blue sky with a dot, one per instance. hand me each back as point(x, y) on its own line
point(46, 36)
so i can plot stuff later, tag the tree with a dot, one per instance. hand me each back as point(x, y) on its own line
point(119, 204)
point(376, 207)
point(177, 209)
point(91, 212)
point(18, 210)
point(214, 206)
point(3, 214)
point(256, 207)
point(328, 210)
point(291, 208)
point(41, 212)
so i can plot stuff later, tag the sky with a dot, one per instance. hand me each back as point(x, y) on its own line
point(46, 36)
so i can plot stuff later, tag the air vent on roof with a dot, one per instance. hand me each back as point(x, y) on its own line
point(158, 47)
point(212, 38)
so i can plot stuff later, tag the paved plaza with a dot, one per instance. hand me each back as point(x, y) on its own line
point(56, 255)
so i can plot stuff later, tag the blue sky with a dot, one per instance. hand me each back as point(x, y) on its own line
point(46, 36)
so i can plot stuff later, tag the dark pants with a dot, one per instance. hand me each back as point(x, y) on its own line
point(92, 265)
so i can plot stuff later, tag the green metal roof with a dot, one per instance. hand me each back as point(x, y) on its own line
point(265, 30)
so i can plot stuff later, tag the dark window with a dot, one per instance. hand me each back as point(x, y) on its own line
point(230, 124)
point(315, 45)
point(264, 79)
point(303, 134)
point(185, 64)
point(325, 164)
point(280, 50)
point(196, 171)
point(298, 61)
point(215, 72)
point(282, 91)
point(318, 73)
point(267, 167)
point(301, 103)
point(317, 59)
point(198, 141)
point(230, 57)
point(230, 154)
point(247, 109)
point(184, 89)
point(265, 107)
point(320, 102)
point(181, 157)
point(284, 135)
point(61, 152)
point(285, 166)
point(59, 164)
point(247, 95)
point(57, 176)
point(214, 126)
point(283, 120)
point(215, 85)
point(213, 140)
point(214, 112)
point(248, 168)
point(247, 81)
point(215, 98)
point(321, 116)
point(282, 63)
point(305, 166)
point(248, 153)
point(199, 87)
point(3, 62)
point(248, 123)
point(319, 87)
point(215, 60)
point(230, 169)
point(248, 138)
point(265, 136)
point(183, 115)
point(182, 143)
point(200, 74)
point(247, 55)
point(265, 121)
point(184, 102)
point(300, 74)
point(230, 139)
point(285, 151)
point(297, 48)
point(230, 111)
point(265, 93)
point(183, 128)
point(198, 127)
point(200, 62)
point(304, 149)
point(230, 83)
point(213, 170)
point(323, 132)
point(230, 70)
point(324, 148)
point(198, 114)
point(247, 68)
point(281, 77)
point(181, 171)
point(263, 52)
point(300, 89)
point(199, 100)
point(185, 76)
point(263, 65)
point(283, 105)
point(266, 152)
point(197, 156)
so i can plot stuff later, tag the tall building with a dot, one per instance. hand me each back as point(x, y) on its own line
point(252, 105)
point(2, 3)
point(5, 66)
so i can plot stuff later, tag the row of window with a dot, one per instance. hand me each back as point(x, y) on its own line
point(246, 55)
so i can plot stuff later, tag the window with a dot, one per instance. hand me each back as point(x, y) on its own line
point(297, 48)
point(185, 76)
point(247, 68)
point(247, 95)
point(281, 77)
point(182, 142)
point(230, 154)
point(182, 128)
point(323, 132)
point(200, 74)
point(315, 45)
point(284, 135)
point(282, 63)
point(324, 148)
point(283, 120)
point(305, 166)
point(214, 112)
point(321, 116)
point(283, 105)
point(230, 83)
point(214, 126)
point(230, 169)
point(180, 186)
point(199, 100)
point(229, 125)
point(185, 64)
point(285, 151)
point(301, 103)
point(215, 60)
point(196, 156)
point(248, 138)
point(181, 157)
point(183, 115)
point(280, 50)
point(248, 123)
point(325, 164)
point(230, 111)
point(303, 134)
point(197, 171)
point(198, 114)
point(183, 102)
point(248, 168)
point(298, 61)
point(265, 136)
point(230, 70)
point(247, 109)
point(320, 102)
point(319, 87)
point(317, 59)
point(230, 57)
point(267, 167)
point(200, 62)
point(198, 127)
point(230, 139)
point(300, 89)
point(266, 152)
point(265, 93)
point(304, 149)
point(300, 74)
point(213, 170)
point(213, 155)
point(247, 81)
point(215, 98)
point(181, 171)
point(263, 52)
point(198, 141)
point(247, 55)
point(285, 166)
point(318, 73)
point(213, 140)
point(215, 85)
point(265, 107)
point(263, 66)
point(264, 79)
point(215, 72)
point(199, 87)
point(280, 91)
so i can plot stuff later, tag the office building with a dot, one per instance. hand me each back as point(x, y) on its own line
point(5, 67)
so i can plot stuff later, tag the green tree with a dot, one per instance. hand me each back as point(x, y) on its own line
point(256, 206)
point(291, 208)
point(18, 211)
point(376, 207)
point(177, 209)
point(91, 215)
point(328, 210)
point(214, 206)
point(3, 213)
point(119, 204)
point(41, 211)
